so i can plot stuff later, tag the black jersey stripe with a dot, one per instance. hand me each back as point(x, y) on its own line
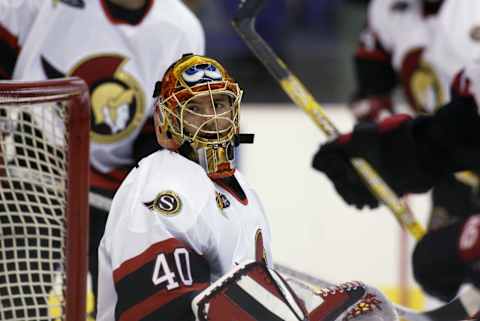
point(134, 279)
point(164, 305)
point(254, 308)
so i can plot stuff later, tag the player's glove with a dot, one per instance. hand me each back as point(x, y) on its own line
point(388, 146)
point(249, 292)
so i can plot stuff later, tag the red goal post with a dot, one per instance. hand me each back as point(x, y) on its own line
point(44, 148)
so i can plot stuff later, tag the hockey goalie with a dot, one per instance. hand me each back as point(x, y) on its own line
point(185, 221)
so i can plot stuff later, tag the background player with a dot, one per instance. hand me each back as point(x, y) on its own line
point(425, 66)
point(394, 29)
point(119, 47)
point(437, 146)
point(186, 217)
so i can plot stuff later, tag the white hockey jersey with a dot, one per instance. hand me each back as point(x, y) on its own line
point(170, 232)
point(398, 25)
point(120, 62)
point(454, 45)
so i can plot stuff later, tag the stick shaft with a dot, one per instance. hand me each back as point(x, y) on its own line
point(244, 24)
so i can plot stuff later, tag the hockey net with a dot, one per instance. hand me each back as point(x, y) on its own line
point(44, 128)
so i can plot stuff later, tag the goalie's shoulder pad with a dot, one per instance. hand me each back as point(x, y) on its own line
point(251, 291)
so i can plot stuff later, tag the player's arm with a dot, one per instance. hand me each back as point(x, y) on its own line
point(411, 154)
point(158, 283)
point(16, 19)
point(375, 79)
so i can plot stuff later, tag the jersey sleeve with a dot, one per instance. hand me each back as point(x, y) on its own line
point(157, 283)
point(153, 262)
point(16, 20)
point(399, 26)
point(373, 68)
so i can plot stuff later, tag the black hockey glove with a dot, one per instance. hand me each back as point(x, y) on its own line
point(388, 146)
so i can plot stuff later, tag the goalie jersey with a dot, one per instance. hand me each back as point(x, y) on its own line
point(171, 231)
point(120, 62)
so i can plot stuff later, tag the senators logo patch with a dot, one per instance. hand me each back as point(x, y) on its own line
point(118, 101)
point(426, 89)
point(222, 201)
point(166, 203)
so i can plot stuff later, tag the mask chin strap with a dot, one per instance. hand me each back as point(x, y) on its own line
point(218, 159)
point(218, 162)
point(243, 139)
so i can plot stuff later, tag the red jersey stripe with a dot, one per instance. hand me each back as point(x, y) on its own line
point(149, 254)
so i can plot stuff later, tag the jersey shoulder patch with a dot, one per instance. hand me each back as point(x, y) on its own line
point(166, 203)
point(172, 188)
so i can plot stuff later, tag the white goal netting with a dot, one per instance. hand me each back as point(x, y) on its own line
point(35, 194)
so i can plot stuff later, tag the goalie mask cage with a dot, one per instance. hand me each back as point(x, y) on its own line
point(44, 132)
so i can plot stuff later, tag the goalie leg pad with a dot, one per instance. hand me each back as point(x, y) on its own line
point(251, 292)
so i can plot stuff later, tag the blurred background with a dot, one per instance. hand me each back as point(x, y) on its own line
point(316, 39)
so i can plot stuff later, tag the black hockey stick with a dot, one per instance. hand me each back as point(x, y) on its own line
point(244, 23)
point(462, 307)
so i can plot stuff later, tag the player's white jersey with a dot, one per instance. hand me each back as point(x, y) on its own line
point(120, 62)
point(170, 232)
point(399, 25)
point(455, 44)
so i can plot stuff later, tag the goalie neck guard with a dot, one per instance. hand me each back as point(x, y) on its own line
point(197, 113)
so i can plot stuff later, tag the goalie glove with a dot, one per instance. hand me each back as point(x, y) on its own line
point(249, 292)
point(350, 301)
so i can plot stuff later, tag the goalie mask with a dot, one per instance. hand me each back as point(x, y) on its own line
point(197, 113)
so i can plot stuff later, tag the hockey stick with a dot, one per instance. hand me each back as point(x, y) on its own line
point(244, 23)
point(462, 307)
